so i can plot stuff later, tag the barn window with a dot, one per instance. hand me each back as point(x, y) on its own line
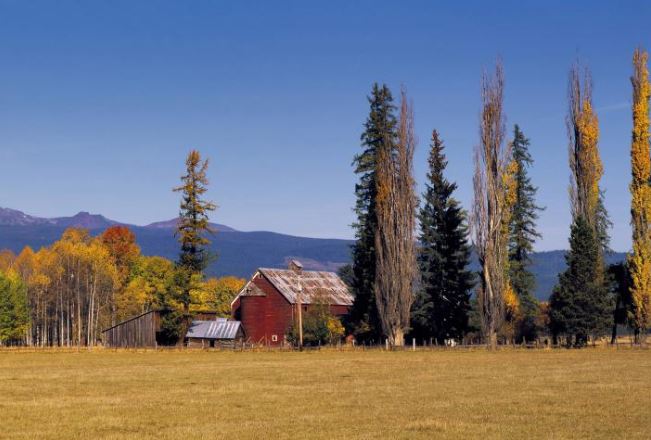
point(274, 338)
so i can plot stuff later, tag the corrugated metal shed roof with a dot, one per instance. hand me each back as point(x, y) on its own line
point(315, 286)
point(219, 329)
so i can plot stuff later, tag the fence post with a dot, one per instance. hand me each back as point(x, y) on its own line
point(413, 344)
point(386, 344)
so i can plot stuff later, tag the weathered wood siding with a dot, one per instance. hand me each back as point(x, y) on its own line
point(139, 331)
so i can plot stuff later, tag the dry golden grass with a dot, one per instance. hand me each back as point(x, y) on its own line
point(591, 393)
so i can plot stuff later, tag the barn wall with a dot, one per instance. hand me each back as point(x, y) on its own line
point(339, 310)
point(137, 332)
point(265, 316)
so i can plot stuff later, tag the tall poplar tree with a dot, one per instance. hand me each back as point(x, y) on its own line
point(442, 305)
point(193, 225)
point(586, 195)
point(489, 215)
point(591, 306)
point(639, 261)
point(523, 234)
point(379, 129)
point(394, 237)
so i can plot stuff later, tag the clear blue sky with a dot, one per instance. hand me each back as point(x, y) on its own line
point(100, 101)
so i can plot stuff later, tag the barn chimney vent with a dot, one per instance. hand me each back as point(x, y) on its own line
point(296, 266)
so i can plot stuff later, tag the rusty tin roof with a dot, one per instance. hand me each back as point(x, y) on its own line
point(315, 286)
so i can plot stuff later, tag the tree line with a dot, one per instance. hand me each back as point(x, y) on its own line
point(423, 287)
point(406, 282)
point(65, 294)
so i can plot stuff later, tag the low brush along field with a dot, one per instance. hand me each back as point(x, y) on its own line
point(514, 394)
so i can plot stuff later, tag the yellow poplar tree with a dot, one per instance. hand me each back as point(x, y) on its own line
point(640, 260)
point(511, 301)
point(585, 161)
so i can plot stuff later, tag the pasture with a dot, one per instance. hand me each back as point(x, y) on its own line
point(516, 394)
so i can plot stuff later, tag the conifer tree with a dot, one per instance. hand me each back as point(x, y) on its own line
point(379, 130)
point(580, 305)
point(523, 234)
point(639, 261)
point(193, 225)
point(443, 303)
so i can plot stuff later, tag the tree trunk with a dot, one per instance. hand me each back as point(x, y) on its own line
point(492, 337)
point(398, 338)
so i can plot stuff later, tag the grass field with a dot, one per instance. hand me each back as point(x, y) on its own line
point(591, 393)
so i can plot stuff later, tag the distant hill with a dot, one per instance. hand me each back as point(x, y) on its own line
point(239, 253)
point(171, 224)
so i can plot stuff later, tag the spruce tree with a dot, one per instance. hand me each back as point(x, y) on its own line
point(193, 225)
point(522, 236)
point(581, 305)
point(443, 303)
point(380, 129)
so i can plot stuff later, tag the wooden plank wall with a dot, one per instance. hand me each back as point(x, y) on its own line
point(137, 332)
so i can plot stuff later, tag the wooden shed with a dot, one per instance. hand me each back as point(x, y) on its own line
point(143, 330)
point(268, 303)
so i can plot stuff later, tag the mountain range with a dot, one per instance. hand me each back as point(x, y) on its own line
point(239, 253)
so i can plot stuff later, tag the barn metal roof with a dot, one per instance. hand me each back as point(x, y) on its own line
point(218, 329)
point(315, 286)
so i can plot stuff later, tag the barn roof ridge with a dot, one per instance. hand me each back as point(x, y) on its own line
point(312, 283)
point(303, 272)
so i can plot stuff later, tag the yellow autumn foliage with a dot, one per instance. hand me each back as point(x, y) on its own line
point(640, 259)
point(588, 126)
point(216, 294)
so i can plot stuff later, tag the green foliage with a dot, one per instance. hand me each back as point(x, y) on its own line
point(346, 274)
point(14, 312)
point(620, 282)
point(443, 303)
point(581, 305)
point(193, 224)
point(172, 327)
point(522, 236)
point(319, 327)
point(379, 129)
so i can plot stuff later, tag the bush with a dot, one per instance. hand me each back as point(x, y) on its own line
point(319, 327)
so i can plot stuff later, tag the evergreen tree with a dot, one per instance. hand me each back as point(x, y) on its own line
point(522, 236)
point(620, 279)
point(193, 225)
point(581, 305)
point(379, 129)
point(442, 306)
point(14, 312)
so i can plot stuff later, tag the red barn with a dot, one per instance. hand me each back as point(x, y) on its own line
point(267, 304)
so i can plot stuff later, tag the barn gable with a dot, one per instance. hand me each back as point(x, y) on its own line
point(312, 286)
